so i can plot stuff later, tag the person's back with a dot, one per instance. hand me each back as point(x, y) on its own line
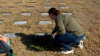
point(70, 24)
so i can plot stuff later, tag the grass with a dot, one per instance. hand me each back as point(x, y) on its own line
point(0, 13)
point(83, 13)
point(15, 54)
point(18, 2)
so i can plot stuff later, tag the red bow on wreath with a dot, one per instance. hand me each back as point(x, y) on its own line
point(42, 39)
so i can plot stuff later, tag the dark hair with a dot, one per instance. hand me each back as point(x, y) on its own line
point(54, 11)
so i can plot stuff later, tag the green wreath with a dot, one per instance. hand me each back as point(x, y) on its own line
point(41, 42)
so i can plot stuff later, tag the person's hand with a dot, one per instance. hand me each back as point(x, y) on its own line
point(5, 40)
point(51, 34)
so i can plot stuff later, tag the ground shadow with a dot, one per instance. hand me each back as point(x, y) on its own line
point(27, 40)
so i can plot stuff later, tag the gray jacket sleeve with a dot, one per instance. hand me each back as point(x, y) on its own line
point(60, 26)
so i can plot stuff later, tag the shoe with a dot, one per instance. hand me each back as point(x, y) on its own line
point(67, 52)
point(81, 44)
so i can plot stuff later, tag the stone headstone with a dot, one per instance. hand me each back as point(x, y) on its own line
point(64, 7)
point(26, 14)
point(10, 35)
point(5, 13)
point(20, 22)
point(45, 22)
point(44, 14)
point(46, 7)
point(0, 7)
point(68, 13)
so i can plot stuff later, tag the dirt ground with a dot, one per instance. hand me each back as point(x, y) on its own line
point(86, 12)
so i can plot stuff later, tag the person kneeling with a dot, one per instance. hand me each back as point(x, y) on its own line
point(69, 31)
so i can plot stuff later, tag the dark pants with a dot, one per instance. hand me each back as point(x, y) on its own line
point(67, 40)
point(1, 50)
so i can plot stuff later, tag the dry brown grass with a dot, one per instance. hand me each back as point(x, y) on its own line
point(85, 12)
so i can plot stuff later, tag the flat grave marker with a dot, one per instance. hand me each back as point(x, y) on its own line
point(13, 7)
point(20, 22)
point(46, 7)
point(44, 14)
point(68, 13)
point(10, 35)
point(47, 3)
point(5, 13)
point(64, 7)
point(62, 3)
point(26, 13)
point(30, 7)
point(45, 22)
point(39, 33)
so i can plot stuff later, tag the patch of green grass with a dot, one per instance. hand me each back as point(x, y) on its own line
point(15, 54)
point(40, 48)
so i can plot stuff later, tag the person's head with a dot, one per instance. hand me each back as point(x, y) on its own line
point(53, 12)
